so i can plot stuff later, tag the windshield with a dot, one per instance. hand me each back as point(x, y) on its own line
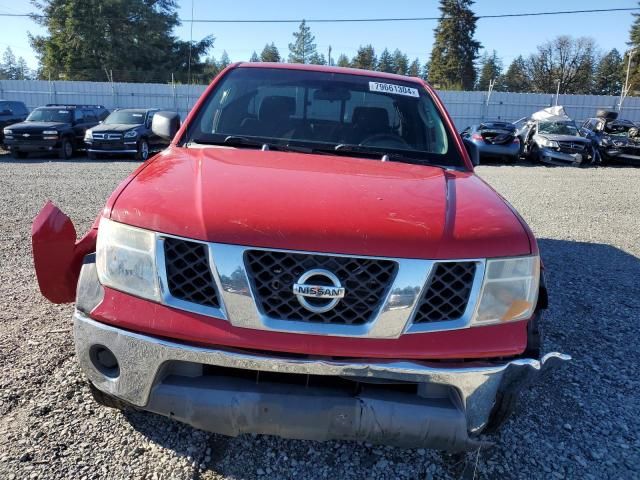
point(49, 115)
point(325, 111)
point(125, 117)
point(558, 128)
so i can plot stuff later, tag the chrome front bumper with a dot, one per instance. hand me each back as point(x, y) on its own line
point(147, 379)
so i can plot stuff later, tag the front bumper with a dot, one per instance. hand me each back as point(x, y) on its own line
point(556, 157)
point(112, 147)
point(233, 392)
point(33, 146)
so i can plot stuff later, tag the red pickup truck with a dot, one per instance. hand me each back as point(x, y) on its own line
point(312, 257)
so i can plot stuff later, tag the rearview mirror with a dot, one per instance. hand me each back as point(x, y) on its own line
point(165, 124)
point(472, 150)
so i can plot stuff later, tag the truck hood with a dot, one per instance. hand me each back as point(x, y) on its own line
point(37, 126)
point(320, 203)
point(563, 138)
point(114, 127)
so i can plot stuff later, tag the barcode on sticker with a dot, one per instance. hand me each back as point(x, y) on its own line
point(392, 88)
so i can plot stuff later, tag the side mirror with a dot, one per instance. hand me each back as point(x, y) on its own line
point(165, 124)
point(472, 150)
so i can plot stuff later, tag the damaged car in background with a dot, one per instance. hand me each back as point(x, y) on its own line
point(613, 138)
point(312, 257)
point(494, 139)
point(551, 136)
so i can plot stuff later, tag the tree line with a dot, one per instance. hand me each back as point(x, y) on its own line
point(134, 41)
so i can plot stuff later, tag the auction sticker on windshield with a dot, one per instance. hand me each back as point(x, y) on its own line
point(392, 88)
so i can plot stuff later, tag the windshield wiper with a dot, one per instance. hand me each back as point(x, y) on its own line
point(346, 148)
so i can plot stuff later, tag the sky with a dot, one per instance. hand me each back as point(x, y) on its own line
point(510, 37)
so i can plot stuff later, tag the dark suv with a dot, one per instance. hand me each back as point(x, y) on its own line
point(11, 112)
point(124, 131)
point(613, 138)
point(53, 128)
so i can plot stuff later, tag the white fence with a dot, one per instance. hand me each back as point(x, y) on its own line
point(466, 108)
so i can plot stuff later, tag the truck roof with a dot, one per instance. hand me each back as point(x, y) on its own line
point(328, 69)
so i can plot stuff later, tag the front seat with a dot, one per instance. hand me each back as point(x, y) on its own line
point(368, 121)
point(274, 116)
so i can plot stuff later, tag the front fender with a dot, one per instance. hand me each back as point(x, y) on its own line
point(57, 254)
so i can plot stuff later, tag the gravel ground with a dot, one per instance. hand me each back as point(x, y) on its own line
point(581, 422)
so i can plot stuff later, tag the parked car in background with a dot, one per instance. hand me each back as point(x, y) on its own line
point(494, 139)
point(11, 112)
point(551, 136)
point(312, 257)
point(53, 128)
point(125, 131)
point(613, 138)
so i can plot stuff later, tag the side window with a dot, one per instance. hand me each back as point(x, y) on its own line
point(4, 106)
point(18, 108)
point(89, 116)
point(78, 116)
point(149, 119)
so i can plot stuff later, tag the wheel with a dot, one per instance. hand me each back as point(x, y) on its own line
point(143, 149)
point(66, 149)
point(18, 154)
point(534, 154)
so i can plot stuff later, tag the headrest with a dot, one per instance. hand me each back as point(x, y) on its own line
point(277, 107)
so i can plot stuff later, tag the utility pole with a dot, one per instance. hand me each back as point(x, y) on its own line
point(329, 59)
point(557, 93)
point(625, 89)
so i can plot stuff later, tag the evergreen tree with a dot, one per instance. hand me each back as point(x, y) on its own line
point(608, 76)
point(365, 58)
point(270, 53)
point(9, 66)
point(400, 62)
point(634, 43)
point(254, 57)
point(516, 78)
point(303, 47)
point(425, 71)
point(225, 61)
point(385, 63)
point(454, 50)
point(414, 68)
point(490, 69)
point(343, 61)
point(211, 69)
point(134, 39)
point(317, 59)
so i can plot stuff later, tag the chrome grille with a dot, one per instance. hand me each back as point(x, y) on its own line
point(572, 147)
point(447, 293)
point(273, 274)
point(189, 276)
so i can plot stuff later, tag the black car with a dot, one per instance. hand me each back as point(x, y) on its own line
point(124, 131)
point(11, 112)
point(53, 128)
point(612, 137)
point(494, 139)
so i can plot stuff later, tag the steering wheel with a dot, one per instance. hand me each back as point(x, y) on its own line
point(384, 140)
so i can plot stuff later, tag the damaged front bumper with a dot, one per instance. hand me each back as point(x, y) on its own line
point(404, 403)
point(556, 157)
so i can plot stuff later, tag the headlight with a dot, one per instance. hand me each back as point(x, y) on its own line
point(548, 143)
point(509, 290)
point(131, 134)
point(88, 135)
point(126, 259)
point(50, 132)
point(7, 131)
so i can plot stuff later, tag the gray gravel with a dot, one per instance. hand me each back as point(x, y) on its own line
point(582, 422)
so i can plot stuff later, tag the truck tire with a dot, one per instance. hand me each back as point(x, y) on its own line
point(66, 149)
point(534, 153)
point(606, 114)
point(143, 150)
point(18, 154)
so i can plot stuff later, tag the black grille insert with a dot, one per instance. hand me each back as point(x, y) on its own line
point(273, 274)
point(448, 292)
point(189, 277)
